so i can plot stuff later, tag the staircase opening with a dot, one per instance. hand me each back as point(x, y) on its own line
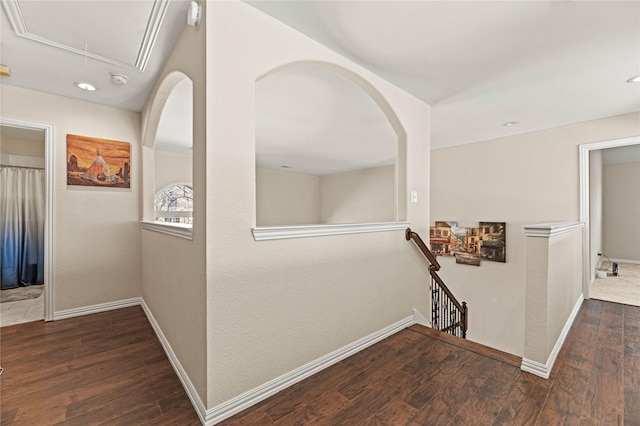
point(447, 314)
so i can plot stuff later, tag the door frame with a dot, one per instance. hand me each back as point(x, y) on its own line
point(585, 150)
point(49, 198)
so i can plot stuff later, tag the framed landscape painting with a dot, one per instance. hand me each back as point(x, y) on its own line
point(98, 162)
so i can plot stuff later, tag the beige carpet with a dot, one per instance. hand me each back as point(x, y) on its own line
point(21, 293)
point(625, 288)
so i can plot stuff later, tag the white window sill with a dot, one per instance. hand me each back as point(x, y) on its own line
point(175, 229)
point(266, 233)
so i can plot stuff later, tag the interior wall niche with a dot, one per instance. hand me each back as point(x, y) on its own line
point(169, 147)
point(326, 150)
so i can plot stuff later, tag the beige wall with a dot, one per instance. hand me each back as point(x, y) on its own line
point(621, 211)
point(523, 179)
point(173, 268)
point(16, 151)
point(284, 198)
point(171, 168)
point(28, 148)
point(96, 233)
point(274, 306)
point(360, 196)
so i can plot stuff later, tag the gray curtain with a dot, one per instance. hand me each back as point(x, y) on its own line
point(22, 212)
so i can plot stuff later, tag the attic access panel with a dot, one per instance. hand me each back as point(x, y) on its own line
point(116, 32)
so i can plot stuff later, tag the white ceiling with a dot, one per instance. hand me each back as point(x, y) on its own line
point(44, 44)
point(479, 64)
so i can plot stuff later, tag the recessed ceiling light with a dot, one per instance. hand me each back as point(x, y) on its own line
point(85, 86)
point(511, 123)
point(635, 79)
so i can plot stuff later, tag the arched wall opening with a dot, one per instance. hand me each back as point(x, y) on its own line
point(168, 147)
point(330, 150)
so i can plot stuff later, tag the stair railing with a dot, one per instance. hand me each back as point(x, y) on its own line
point(447, 314)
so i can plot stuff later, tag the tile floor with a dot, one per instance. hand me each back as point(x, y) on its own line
point(22, 311)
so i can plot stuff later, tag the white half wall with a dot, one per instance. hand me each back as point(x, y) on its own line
point(274, 306)
point(528, 178)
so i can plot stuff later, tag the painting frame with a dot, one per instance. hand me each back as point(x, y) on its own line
point(97, 162)
point(469, 245)
point(494, 241)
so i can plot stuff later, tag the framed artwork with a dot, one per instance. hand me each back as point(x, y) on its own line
point(469, 245)
point(467, 251)
point(494, 242)
point(98, 162)
point(440, 238)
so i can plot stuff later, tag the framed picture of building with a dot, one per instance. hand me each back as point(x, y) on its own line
point(440, 238)
point(467, 246)
point(98, 162)
point(494, 242)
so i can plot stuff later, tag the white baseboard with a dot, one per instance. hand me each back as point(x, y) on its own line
point(138, 301)
point(544, 370)
point(200, 408)
point(262, 392)
point(418, 318)
point(94, 309)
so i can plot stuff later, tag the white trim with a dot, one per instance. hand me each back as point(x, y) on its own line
point(48, 220)
point(585, 149)
point(548, 230)
point(172, 213)
point(544, 370)
point(177, 367)
point(265, 233)
point(636, 262)
point(175, 229)
point(173, 359)
point(534, 367)
point(418, 318)
point(235, 405)
point(151, 32)
point(94, 309)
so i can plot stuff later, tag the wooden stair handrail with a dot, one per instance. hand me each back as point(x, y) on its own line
point(410, 235)
point(434, 266)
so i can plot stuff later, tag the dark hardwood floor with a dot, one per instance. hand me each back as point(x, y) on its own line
point(109, 368)
point(106, 368)
point(414, 378)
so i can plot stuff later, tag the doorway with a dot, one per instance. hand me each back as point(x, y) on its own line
point(592, 245)
point(45, 132)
